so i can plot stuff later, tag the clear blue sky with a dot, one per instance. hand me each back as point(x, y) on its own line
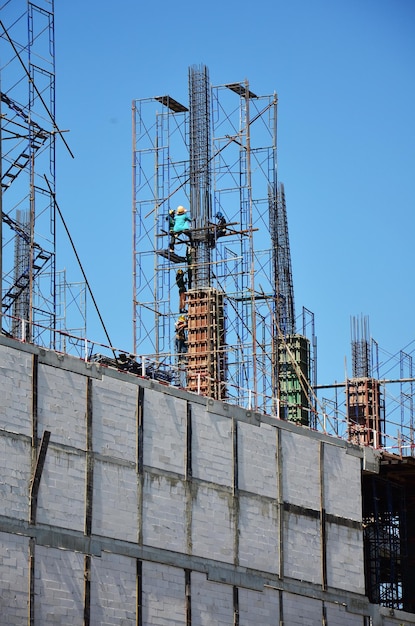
point(344, 72)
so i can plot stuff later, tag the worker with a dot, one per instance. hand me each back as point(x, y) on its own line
point(181, 284)
point(216, 230)
point(221, 225)
point(180, 328)
point(182, 222)
point(170, 217)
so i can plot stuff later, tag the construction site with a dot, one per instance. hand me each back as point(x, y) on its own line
point(203, 476)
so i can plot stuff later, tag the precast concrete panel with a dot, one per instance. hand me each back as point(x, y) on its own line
point(115, 500)
point(164, 431)
point(212, 603)
point(301, 611)
point(337, 615)
point(213, 523)
point(393, 617)
point(114, 419)
point(58, 572)
point(258, 533)
point(208, 502)
point(61, 401)
point(257, 459)
point(164, 595)
point(14, 476)
point(342, 483)
point(16, 390)
point(300, 469)
point(14, 579)
point(212, 447)
point(113, 590)
point(164, 519)
point(345, 565)
point(61, 499)
point(258, 607)
point(302, 547)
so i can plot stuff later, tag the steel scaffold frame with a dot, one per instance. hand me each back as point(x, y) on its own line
point(28, 170)
point(37, 300)
point(243, 167)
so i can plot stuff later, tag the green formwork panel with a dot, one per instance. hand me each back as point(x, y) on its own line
point(294, 355)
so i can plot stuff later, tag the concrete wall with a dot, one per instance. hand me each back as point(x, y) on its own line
point(159, 507)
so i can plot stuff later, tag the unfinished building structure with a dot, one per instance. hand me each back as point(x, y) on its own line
point(214, 499)
point(389, 498)
point(365, 406)
point(217, 155)
point(129, 501)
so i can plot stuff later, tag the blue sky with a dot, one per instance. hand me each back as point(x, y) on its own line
point(344, 72)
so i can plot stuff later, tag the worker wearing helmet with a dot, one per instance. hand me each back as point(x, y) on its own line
point(182, 222)
point(221, 224)
point(181, 284)
point(180, 337)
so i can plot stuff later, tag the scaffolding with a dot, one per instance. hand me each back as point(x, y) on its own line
point(37, 300)
point(372, 414)
point(217, 157)
point(28, 168)
point(407, 393)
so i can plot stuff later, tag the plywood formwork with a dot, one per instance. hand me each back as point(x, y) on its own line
point(365, 412)
point(206, 362)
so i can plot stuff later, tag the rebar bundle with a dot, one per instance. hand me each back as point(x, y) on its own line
point(200, 193)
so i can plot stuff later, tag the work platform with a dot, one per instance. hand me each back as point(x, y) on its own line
point(170, 255)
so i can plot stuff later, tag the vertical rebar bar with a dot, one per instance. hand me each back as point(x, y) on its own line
point(361, 361)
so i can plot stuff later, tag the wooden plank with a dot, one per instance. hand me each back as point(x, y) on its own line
point(171, 256)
